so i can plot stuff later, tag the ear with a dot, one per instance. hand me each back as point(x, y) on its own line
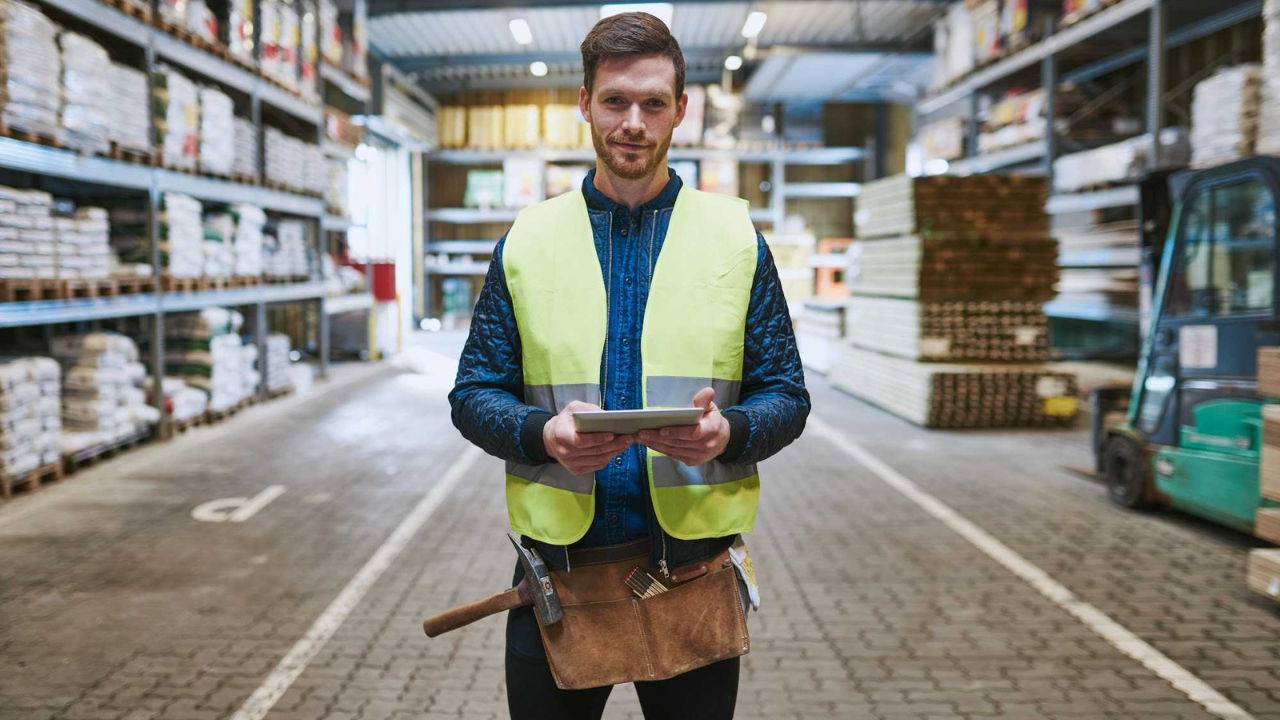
point(584, 103)
point(682, 105)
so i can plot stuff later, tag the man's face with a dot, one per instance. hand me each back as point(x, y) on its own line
point(633, 110)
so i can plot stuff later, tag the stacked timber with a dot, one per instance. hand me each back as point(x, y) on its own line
point(945, 326)
point(1224, 116)
point(1264, 572)
point(1264, 564)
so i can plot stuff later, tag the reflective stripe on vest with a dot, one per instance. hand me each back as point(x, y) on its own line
point(693, 333)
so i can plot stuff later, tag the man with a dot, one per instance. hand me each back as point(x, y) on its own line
point(679, 305)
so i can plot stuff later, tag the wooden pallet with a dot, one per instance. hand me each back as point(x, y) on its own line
point(134, 285)
point(215, 283)
point(273, 394)
point(28, 290)
point(81, 289)
point(284, 279)
point(30, 482)
point(173, 284)
point(133, 155)
point(245, 179)
point(217, 49)
point(133, 11)
point(76, 462)
point(30, 137)
point(181, 426)
point(246, 281)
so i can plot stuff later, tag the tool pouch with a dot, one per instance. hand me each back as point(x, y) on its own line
point(609, 636)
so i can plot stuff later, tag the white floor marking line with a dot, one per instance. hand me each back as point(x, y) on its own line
point(256, 503)
point(292, 665)
point(1099, 622)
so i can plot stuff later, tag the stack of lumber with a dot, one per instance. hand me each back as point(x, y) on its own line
point(1269, 120)
point(1002, 331)
point(1264, 565)
point(1224, 116)
point(960, 396)
point(819, 331)
point(954, 270)
point(1264, 572)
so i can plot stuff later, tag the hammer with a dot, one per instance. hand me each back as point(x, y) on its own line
point(535, 589)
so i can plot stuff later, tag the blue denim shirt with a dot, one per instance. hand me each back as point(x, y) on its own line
point(487, 400)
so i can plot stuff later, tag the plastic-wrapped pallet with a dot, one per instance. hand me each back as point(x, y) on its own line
point(1269, 118)
point(330, 33)
point(204, 350)
point(1224, 116)
point(27, 248)
point(102, 399)
point(250, 377)
point(86, 92)
point(1120, 162)
point(30, 415)
point(83, 248)
point(309, 53)
point(219, 248)
point(130, 110)
point(280, 42)
point(240, 30)
point(295, 164)
point(248, 239)
point(316, 179)
point(217, 132)
point(201, 21)
point(32, 66)
point(279, 349)
point(286, 253)
point(177, 118)
point(354, 52)
point(173, 12)
point(185, 402)
point(181, 235)
point(245, 158)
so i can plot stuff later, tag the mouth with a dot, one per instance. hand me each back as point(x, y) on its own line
point(631, 147)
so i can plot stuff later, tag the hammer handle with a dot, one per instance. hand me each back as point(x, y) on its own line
point(467, 614)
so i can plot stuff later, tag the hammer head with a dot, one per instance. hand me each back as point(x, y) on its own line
point(546, 602)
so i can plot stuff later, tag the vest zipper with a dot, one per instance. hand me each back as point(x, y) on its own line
point(662, 562)
point(608, 313)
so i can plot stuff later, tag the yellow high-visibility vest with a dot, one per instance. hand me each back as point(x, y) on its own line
point(694, 327)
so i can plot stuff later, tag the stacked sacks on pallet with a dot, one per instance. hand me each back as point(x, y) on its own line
point(130, 109)
point(205, 351)
point(244, 164)
point(309, 54)
point(177, 118)
point(87, 99)
point(31, 67)
point(279, 358)
point(185, 403)
point(27, 247)
point(250, 377)
point(30, 415)
point(103, 401)
point(250, 219)
point(217, 132)
point(285, 253)
point(1224, 116)
point(83, 244)
point(181, 234)
point(219, 251)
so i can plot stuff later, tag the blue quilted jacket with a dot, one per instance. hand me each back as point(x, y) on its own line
point(488, 397)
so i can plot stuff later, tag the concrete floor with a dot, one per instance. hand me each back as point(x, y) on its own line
point(116, 603)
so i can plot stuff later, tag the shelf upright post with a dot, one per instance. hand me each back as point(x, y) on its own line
point(418, 230)
point(778, 193)
point(153, 235)
point(1156, 77)
point(1049, 80)
point(881, 119)
point(425, 202)
point(974, 109)
point(322, 324)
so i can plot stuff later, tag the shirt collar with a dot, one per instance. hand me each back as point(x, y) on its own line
point(597, 200)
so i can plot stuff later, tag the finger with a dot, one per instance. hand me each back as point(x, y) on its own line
point(579, 406)
point(684, 432)
point(673, 442)
point(590, 440)
point(705, 398)
point(612, 448)
point(588, 463)
point(675, 451)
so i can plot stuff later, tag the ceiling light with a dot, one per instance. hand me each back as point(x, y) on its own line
point(520, 31)
point(754, 24)
point(733, 62)
point(538, 68)
point(662, 11)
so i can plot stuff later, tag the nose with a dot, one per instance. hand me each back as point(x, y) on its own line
point(633, 122)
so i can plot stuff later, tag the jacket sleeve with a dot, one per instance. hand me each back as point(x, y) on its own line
point(487, 400)
point(774, 404)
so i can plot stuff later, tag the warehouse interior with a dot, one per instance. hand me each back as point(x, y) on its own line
point(1028, 255)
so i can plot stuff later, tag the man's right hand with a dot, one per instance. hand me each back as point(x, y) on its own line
point(581, 453)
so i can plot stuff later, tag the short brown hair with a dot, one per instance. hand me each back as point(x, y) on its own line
point(632, 33)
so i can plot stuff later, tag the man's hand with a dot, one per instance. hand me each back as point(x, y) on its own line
point(696, 444)
point(581, 453)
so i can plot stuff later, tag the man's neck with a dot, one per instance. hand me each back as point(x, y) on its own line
point(632, 193)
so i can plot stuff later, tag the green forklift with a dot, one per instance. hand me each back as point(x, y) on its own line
point(1191, 436)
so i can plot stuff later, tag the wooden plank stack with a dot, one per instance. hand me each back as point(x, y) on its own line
point(1264, 572)
point(954, 270)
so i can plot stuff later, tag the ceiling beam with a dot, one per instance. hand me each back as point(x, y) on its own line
point(418, 63)
point(390, 7)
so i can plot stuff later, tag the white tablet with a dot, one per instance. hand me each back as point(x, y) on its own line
point(629, 422)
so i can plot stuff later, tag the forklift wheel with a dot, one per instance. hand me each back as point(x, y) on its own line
point(1126, 474)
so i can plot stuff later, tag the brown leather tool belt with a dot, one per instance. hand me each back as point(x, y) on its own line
point(609, 635)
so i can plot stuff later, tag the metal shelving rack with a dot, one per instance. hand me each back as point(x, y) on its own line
point(35, 159)
point(1169, 24)
point(777, 159)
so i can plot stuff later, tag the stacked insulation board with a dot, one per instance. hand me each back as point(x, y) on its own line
point(945, 326)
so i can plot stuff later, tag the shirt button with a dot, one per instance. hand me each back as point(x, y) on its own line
point(624, 232)
point(618, 461)
point(626, 342)
point(615, 519)
point(628, 282)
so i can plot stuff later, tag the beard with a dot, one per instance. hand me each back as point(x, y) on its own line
point(626, 165)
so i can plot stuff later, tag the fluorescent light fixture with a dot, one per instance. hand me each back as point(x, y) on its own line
point(538, 68)
point(662, 11)
point(733, 62)
point(520, 31)
point(754, 24)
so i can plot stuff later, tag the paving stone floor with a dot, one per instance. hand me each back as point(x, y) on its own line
point(115, 603)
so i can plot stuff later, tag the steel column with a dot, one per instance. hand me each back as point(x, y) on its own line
point(777, 194)
point(974, 110)
point(323, 332)
point(1156, 77)
point(1049, 81)
point(881, 116)
point(260, 330)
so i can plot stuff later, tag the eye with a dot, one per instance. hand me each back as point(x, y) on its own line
point(657, 104)
point(614, 101)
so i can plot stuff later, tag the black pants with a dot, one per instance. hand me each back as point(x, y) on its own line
point(708, 693)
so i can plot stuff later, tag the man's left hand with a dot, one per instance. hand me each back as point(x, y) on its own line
point(695, 444)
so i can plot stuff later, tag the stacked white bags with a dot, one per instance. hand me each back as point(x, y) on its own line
point(217, 132)
point(103, 401)
point(316, 169)
point(31, 67)
point(241, 29)
point(296, 164)
point(30, 415)
point(1224, 116)
point(250, 220)
point(219, 251)
point(309, 54)
point(182, 231)
point(187, 403)
point(130, 109)
point(286, 253)
point(204, 350)
point(27, 248)
point(278, 361)
point(177, 118)
point(1269, 121)
point(250, 378)
point(87, 108)
point(246, 155)
point(280, 36)
point(83, 244)
point(330, 33)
